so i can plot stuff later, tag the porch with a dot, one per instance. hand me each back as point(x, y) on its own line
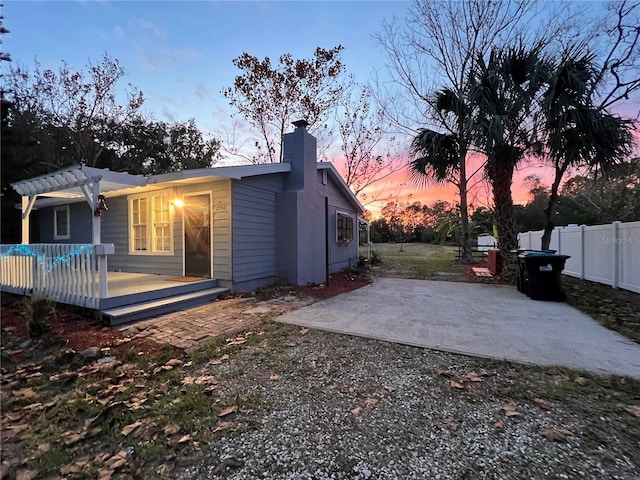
point(77, 275)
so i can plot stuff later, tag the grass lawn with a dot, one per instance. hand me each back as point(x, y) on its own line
point(427, 261)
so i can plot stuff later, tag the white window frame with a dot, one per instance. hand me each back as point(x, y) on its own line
point(61, 235)
point(348, 217)
point(150, 224)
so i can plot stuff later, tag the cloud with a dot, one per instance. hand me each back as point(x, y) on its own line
point(158, 32)
point(161, 58)
point(202, 92)
point(168, 115)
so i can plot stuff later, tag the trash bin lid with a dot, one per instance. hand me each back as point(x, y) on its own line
point(543, 254)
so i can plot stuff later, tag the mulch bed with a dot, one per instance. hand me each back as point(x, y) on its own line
point(70, 328)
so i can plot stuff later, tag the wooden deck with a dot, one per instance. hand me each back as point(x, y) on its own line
point(136, 296)
point(124, 283)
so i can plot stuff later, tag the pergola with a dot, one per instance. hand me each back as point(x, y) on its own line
point(74, 182)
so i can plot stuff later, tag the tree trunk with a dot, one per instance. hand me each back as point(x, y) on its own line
point(466, 255)
point(501, 175)
point(549, 209)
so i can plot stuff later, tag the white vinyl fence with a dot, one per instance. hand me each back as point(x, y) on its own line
point(608, 254)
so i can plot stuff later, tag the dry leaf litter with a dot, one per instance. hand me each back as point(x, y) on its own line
point(339, 407)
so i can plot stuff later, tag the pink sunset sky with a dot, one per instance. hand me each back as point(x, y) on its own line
point(180, 55)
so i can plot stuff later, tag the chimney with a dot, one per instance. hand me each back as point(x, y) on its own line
point(300, 150)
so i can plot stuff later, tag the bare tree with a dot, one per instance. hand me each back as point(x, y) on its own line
point(271, 97)
point(370, 156)
point(617, 45)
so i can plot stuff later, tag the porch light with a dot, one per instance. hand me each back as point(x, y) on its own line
point(177, 203)
point(101, 206)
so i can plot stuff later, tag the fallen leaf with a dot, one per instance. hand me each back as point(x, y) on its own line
point(369, 402)
point(218, 361)
point(72, 437)
point(555, 434)
point(44, 447)
point(454, 384)
point(102, 457)
point(228, 411)
point(118, 460)
point(473, 377)
point(291, 344)
point(174, 362)
point(130, 428)
point(105, 473)
point(499, 425)
point(304, 331)
point(171, 429)
point(24, 393)
point(444, 373)
point(222, 426)
point(274, 377)
point(542, 403)
point(510, 409)
point(184, 439)
point(580, 380)
point(26, 474)
point(356, 411)
point(632, 409)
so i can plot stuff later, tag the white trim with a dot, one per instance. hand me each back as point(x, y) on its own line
point(328, 166)
point(68, 183)
point(149, 225)
point(235, 172)
point(56, 234)
point(209, 193)
point(349, 216)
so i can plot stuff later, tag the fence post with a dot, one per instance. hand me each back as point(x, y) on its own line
point(559, 240)
point(616, 255)
point(582, 233)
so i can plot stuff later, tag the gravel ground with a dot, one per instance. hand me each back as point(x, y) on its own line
point(328, 406)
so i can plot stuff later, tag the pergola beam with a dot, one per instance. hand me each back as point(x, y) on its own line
point(74, 182)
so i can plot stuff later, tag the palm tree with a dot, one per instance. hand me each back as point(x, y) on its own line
point(442, 156)
point(504, 93)
point(578, 133)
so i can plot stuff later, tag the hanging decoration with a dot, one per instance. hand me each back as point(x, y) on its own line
point(101, 206)
point(48, 263)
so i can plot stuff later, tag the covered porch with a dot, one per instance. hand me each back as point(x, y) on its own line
point(120, 297)
point(78, 274)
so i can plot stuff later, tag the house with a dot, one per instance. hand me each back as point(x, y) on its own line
point(231, 228)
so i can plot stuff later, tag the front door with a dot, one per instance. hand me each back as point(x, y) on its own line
point(197, 236)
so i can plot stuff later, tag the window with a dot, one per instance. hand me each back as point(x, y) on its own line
point(150, 224)
point(61, 223)
point(344, 228)
point(139, 224)
point(161, 224)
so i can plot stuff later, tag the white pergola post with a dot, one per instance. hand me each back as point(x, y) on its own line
point(96, 220)
point(27, 205)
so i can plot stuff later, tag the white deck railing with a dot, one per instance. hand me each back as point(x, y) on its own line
point(608, 254)
point(75, 274)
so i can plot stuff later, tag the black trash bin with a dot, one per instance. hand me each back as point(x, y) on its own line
point(520, 267)
point(542, 275)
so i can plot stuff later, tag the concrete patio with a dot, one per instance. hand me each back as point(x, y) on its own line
point(474, 319)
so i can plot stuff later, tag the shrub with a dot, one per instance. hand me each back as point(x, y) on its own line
point(37, 310)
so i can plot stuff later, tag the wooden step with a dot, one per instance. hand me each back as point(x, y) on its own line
point(153, 308)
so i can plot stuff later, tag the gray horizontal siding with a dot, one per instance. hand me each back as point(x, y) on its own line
point(254, 229)
point(115, 229)
point(80, 218)
point(340, 256)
